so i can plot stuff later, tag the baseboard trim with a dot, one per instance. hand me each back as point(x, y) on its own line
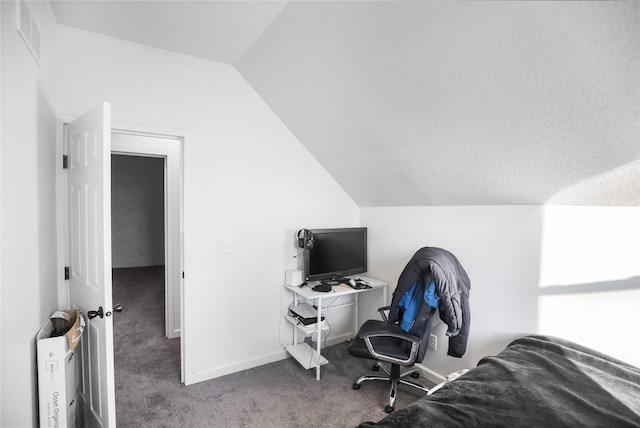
point(195, 377)
point(429, 374)
point(339, 339)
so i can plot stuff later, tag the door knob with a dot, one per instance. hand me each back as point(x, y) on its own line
point(98, 313)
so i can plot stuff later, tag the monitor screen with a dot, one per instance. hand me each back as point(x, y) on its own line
point(336, 253)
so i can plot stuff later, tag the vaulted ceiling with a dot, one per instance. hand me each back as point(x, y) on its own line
point(427, 103)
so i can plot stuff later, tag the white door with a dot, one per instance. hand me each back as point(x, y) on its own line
point(88, 145)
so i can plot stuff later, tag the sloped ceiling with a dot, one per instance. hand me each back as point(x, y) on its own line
point(217, 30)
point(430, 103)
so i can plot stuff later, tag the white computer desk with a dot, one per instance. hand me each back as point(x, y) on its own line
point(303, 352)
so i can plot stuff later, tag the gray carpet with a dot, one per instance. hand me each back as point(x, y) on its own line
point(281, 394)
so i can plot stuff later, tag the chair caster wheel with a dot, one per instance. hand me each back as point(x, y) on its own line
point(415, 375)
point(389, 409)
point(356, 386)
point(375, 368)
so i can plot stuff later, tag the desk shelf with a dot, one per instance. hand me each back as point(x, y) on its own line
point(306, 355)
point(309, 329)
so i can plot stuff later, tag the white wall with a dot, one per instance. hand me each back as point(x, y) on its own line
point(27, 188)
point(503, 248)
point(499, 247)
point(137, 211)
point(247, 180)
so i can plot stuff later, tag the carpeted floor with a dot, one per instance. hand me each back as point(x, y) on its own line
point(281, 394)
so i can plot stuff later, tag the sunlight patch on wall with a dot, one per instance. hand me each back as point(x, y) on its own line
point(617, 187)
point(589, 290)
point(589, 244)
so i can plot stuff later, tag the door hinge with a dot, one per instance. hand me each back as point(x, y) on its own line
point(65, 162)
point(66, 273)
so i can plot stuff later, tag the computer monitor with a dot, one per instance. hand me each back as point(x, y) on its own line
point(336, 253)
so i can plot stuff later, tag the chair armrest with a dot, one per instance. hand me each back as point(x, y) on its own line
point(383, 313)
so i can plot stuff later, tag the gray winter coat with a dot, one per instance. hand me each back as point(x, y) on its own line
point(452, 288)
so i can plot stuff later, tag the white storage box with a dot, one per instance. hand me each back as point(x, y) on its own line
point(57, 368)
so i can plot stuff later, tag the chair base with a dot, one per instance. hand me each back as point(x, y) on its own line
point(394, 377)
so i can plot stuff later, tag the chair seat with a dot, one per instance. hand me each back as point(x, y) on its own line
point(389, 346)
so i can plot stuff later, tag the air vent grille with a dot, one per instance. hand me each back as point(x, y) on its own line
point(28, 30)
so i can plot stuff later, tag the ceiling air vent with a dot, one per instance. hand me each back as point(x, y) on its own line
point(28, 30)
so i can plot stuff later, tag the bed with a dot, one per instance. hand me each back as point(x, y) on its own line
point(537, 381)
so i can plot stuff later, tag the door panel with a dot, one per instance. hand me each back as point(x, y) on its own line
point(88, 141)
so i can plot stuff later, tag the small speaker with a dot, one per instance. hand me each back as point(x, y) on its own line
point(293, 277)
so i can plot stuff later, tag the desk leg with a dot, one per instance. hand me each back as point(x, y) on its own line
point(295, 330)
point(318, 338)
point(356, 314)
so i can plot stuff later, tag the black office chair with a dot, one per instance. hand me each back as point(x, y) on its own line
point(376, 340)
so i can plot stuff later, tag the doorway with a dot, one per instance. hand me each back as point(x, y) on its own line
point(138, 257)
point(146, 239)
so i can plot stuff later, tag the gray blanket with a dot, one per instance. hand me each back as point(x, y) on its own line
point(537, 381)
